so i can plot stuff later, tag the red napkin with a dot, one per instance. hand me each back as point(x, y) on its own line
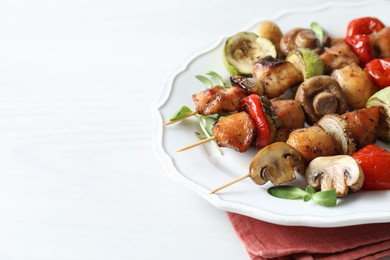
point(264, 240)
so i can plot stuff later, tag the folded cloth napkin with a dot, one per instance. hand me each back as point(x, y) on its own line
point(264, 240)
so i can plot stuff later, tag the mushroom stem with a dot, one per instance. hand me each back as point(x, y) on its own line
point(230, 183)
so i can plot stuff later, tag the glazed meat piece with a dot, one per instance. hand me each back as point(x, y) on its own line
point(276, 76)
point(313, 142)
point(236, 131)
point(355, 84)
point(363, 124)
point(218, 100)
point(338, 56)
point(290, 115)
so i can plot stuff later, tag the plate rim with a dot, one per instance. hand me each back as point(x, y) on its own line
point(237, 207)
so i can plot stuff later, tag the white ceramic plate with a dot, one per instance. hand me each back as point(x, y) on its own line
point(203, 169)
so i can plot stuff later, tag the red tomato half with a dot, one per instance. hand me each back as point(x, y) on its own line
point(375, 163)
point(379, 71)
point(364, 25)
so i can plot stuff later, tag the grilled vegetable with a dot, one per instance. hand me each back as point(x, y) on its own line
point(243, 49)
point(375, 163)
point(341, 172)
point(319, 96)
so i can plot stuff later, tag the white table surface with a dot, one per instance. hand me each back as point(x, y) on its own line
point(79, 178)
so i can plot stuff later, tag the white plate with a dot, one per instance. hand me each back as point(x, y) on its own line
point(203, 169)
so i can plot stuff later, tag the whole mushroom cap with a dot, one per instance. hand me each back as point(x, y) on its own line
point(319, 96)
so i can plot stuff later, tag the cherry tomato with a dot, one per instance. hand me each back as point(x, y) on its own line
point(379, 71)
point(361, 46)
point(364, 25)
point(254, 107)
point(375, 163)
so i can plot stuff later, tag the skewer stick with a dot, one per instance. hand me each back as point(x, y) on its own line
point(180, 119)
point(230, 183)
point(211, 138)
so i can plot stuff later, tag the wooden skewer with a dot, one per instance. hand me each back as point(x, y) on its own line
point(211, 138)
point(180, 119)
point(230, 183)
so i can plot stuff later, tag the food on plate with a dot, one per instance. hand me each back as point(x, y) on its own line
point(262, 122)
point(218, 100)
point(276, 75)
point(271, 31)
point(363, 124)
point(382, 99)
point(276, 163)
point(379, 71)
point(381, 42)
point(319, 96)
point(340, 172)
point(375, 163)
point(300, 38)
point(307, 62)
point(356, 85)
point(243, 49)
point(338, 56)
point(306, 102)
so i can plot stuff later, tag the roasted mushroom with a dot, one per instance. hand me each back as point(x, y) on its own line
point(341, 132)
point(271, 31)
point(319, 96)
point(276, 163)
point(355, 84)
point(277, 76)
point(300, 38)
point(340, 172)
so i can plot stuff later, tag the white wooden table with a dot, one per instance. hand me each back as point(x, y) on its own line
point(78, 175)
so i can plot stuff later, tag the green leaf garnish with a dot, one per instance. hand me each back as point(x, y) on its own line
point(206, 81)
point(182, 112)
point(216, 77)
point(319, 32)
point(323, 198)
point(287, 192)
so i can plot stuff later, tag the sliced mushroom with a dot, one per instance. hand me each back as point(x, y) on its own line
point(300, 38)
point(355, 84)
point(319, 96)
point(276, 162)
point(252, 85)
point(341, 131)
point(341, 172)
point(277, 76)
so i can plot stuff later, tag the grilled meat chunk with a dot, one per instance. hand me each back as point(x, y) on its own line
point(364, 124)
point(236, 131)
point(218, 100)
point(277, 76)
point(338, 56)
